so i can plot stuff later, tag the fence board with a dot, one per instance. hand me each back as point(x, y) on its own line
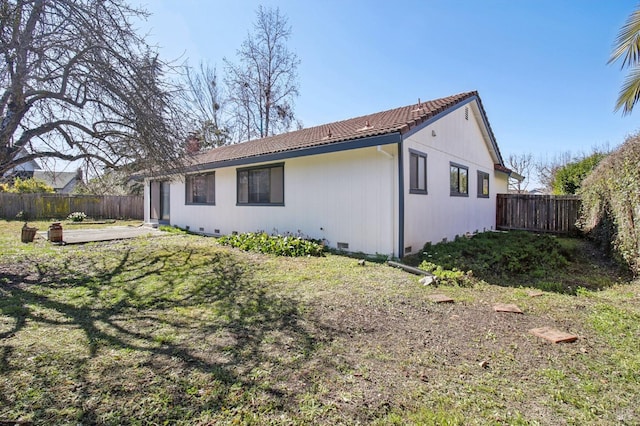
point(555, 214)
point(49, 206)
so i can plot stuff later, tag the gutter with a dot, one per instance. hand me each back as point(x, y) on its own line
point(516, 176)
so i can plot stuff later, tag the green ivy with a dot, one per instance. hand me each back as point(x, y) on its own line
point(261, 242)
point(611, 203)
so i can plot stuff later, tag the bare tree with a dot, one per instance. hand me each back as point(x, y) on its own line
point(205, 100)
point(523, 165)
point(79, 83)
point(547, 168)
point(263, 84)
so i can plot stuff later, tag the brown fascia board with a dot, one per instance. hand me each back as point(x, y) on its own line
point(508, 171)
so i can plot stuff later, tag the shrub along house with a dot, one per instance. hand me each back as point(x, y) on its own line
point(383, 183)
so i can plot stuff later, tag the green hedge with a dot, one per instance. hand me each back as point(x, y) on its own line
point(568, 179)
point(611, 203)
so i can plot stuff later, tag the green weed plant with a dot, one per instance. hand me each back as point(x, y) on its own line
point(280, 245)
point(498, 254)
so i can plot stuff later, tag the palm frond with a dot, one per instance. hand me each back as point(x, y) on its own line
point(627, 45)
point(630, 92)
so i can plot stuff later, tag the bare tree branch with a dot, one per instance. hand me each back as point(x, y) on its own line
point(548, 167)
point(207, 105)
point(80, 83)
point(263, 84)
point(522, 164)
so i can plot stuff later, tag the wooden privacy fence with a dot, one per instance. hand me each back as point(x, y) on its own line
point(556, 214)
point(49, 206)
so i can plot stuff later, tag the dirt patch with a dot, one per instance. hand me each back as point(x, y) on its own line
point(381, 355)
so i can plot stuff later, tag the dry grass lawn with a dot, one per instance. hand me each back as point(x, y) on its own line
point(179, 330)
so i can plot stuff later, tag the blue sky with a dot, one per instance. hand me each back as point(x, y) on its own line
point(539, 66)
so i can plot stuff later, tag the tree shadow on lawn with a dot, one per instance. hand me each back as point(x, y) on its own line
point(163, 337)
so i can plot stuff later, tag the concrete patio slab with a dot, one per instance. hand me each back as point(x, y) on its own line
point(81, 236)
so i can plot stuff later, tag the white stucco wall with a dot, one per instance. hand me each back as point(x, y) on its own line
point(352, 196)
point(502, 183)
point(438, 215)
point(349, 197)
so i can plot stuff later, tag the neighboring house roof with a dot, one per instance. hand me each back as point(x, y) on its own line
point(59, 181)
point(539, 191)
point(399, 121)
point(29, 166)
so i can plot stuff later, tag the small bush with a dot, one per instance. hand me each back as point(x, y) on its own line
point(448, 276)
point(29, 186)
point(77, 217)
point(279, 245)
point(492, 254)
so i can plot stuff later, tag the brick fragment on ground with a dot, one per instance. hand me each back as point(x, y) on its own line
point(553, 335)
point(439, 298)
point(535, 293)
point(506, 307)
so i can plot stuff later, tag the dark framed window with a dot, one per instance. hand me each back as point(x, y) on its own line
point(417, 172)
point(201, 189)
point(459, 180)
point(483, 184)
point(262, 185)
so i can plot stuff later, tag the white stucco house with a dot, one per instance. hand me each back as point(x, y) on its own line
point(384, 183)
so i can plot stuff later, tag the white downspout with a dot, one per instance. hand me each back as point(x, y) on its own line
point(382, 151)
point(393, 202)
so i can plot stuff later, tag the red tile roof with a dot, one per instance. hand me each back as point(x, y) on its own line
point(399, 120)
